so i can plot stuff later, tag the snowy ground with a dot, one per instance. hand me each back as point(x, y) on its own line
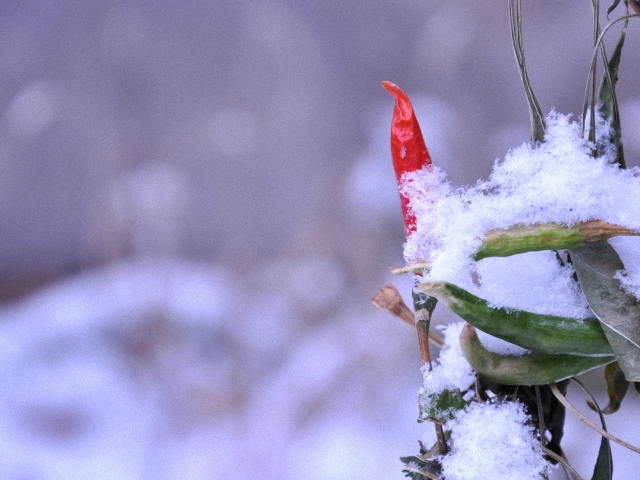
point(252, 136)
point(157, 369)
point(164, 369)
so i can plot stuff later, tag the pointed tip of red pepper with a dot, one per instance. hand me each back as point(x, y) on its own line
point(393, 89)
point(408, 149)
point(389, 86)
point(403, 109)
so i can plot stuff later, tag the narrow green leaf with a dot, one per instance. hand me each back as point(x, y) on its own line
point(529, 238)
point(612, 7)
point(419, 468)
point(603, 469)
point(440, 406)
point(618, 312)
point(546, 236)
point(605, 97)
point(530, 369)
point(542, 333)
point(608, 100)
point(519, 238)
point(617, 387)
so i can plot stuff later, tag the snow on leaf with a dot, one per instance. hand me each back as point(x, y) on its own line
point(618, 312)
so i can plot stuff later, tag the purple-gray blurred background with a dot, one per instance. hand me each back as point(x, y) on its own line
point(197, 204)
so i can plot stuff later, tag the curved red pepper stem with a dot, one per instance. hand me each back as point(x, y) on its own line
point(408, 150)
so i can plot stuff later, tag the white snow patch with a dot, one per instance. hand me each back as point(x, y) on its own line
point(556, 181)
point(451, 370)
point(628, 249)
point(493, 441)
point(497, 345)
point(534, 282)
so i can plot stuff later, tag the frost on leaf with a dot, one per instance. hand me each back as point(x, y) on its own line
point(558, 181)
point(441, 395)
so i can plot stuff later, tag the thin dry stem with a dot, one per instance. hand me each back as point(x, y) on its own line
point(597, 230)
point(389, 300)
point(562, 399)
point(442, 442)
point(562, 461)
point(409, 468)
point(417, 267)
point(422, 326)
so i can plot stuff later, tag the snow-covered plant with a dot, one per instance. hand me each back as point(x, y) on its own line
point(528, 259)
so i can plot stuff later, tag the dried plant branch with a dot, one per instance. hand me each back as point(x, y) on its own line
point(562, 399)
point(538, 126)
point(422, 326)
point(562, 461)
point(409, 468)
point(592, 74)
point(417, 267)
point(389, 300)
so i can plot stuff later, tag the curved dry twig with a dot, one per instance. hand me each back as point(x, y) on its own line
point(409, 468)
point(389, 300)
point(563, 400)
point(562, 461)
point(594, 57)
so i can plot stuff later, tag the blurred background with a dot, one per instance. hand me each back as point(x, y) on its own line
point(197, 205)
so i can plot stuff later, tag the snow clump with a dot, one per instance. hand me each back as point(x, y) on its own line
point(493, 440)
point(557, 181)
point(450, 371)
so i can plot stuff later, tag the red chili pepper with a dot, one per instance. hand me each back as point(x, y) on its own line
point(408, 150)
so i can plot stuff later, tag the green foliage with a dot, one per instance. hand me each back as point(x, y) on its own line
point(418, 468)
point(618, 312)
point(559, 348)
point(533, 368)
point(603, 469)
point(608, 100)
point(441, 406)
point(541, 333)
point(617, 387)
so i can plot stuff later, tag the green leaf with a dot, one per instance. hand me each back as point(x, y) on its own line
point(545, 236)
point(619, 313)
point(612, 7)
point(608, 100)
point(423, 467)
point(530, 369)
point(417, 468)
point(617, 387)
point(504, 242)
point(603, 469)
point(440, 406)
point(543, 333)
